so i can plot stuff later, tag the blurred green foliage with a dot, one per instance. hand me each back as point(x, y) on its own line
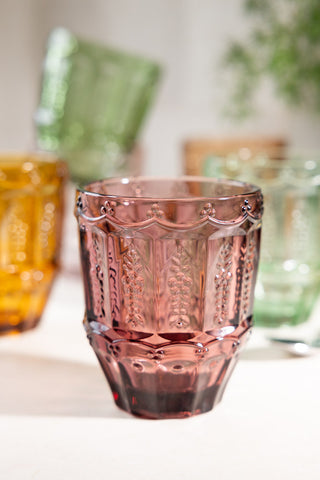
point(284, 46)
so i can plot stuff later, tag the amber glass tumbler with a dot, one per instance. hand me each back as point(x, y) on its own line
point(31, 213)
point(169, 270)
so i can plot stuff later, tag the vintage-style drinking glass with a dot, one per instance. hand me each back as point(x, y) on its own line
point(169, 268)
point(288, 283)
point(31, 214)
point(92, 105)
point(197, 150)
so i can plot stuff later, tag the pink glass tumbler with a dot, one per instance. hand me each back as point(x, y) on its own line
point(169, 268)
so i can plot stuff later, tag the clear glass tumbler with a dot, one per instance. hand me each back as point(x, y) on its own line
point(32, 190)
point(288, 283)
point(169, 268)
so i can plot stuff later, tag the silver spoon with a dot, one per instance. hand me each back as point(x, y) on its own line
point(298, 348)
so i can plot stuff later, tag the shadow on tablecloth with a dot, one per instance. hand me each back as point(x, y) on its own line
point(33, 385)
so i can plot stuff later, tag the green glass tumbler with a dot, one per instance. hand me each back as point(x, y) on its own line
point(92, 105)
point(288, 283)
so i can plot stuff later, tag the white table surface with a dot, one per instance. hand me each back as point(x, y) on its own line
point(58, 419)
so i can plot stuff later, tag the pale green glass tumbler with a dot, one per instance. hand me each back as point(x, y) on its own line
point(93, 102)
point(288, 283)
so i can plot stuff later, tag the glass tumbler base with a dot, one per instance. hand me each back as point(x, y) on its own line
point(7, 327)
point(192, 381)
point(168, 405)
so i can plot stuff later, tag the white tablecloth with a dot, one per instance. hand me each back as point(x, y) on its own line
point(58, 419)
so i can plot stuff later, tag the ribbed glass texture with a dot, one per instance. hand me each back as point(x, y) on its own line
point(92, 105)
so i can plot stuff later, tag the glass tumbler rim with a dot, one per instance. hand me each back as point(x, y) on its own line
point(294, 161)
point(38, 157)
point(31, 170)
point(93, 189)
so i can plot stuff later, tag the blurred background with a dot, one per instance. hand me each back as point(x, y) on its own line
point(188, 38)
